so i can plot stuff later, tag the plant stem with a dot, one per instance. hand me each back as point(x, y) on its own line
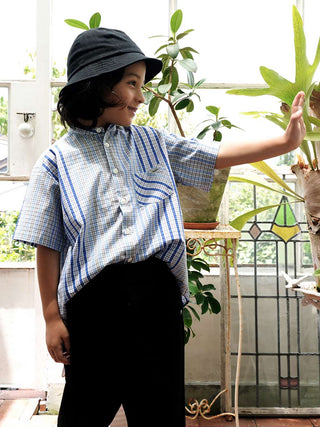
point(173, 111)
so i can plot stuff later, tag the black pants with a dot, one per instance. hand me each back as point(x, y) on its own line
point(126, 333)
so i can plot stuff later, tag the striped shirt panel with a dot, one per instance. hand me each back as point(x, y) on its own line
point(102, 197)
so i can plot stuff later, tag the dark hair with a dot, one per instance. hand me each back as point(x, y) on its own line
point(87, 99)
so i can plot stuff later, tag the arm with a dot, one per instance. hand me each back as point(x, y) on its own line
point(232, 154)
point(57, 336)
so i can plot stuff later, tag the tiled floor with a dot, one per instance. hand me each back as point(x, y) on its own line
point(9, 409)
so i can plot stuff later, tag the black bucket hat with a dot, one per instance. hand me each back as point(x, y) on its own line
point(101, 50)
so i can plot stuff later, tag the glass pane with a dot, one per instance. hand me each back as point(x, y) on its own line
point(3, 130)
point(18, 39)
point(234, 38)
point(232, 107)
point(121, 15)
point(311, 28)
point(11, 198)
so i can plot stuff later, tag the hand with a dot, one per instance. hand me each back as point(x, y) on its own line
point(58, 342)
point(296, 129)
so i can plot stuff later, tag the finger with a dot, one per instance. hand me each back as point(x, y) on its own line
point(59, 356)
point(298, 101)
point(66, 343)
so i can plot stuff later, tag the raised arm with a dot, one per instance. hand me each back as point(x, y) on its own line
point(57, 336)
point(237, 153)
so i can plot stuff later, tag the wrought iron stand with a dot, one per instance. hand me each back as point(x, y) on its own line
point(222, 242)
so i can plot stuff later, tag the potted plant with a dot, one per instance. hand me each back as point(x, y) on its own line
point(307, 169)
point(199, 208)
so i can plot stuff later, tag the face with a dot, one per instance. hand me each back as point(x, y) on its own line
point(128, 92)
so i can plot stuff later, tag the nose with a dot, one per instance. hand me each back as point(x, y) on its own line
point(140, 96)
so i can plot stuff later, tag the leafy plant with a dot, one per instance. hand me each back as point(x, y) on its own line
point(215, 124)
point(286, 90)
point(3, 116)
point(94, 22)
point(12, 251)
point(199, 293)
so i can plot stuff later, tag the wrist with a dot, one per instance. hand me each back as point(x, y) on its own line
point(51, 313)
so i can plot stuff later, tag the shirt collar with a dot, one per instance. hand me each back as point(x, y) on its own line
point(112, 129)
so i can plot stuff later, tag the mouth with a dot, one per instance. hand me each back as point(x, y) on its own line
point(132, 110)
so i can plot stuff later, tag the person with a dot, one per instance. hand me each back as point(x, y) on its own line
point(103, 210)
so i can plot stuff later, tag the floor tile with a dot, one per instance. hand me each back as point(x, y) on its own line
point(283, 422)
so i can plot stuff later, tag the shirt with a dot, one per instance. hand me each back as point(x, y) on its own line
point(101, 197)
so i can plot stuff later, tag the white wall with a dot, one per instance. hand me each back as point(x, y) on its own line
point(24, 361)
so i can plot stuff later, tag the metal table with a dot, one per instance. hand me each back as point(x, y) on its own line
point(222, 242)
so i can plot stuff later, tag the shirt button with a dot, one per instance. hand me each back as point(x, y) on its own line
point(123, 200)
point(115, 171)
point(107, 145)
point(127, 231)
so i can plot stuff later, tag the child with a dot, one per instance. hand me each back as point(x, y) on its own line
point(103, 210)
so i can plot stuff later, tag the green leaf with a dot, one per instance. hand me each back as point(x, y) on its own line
point(77, 24)
point(194, 275)
point(195, 313)
point(154, 106)
point(200, 264)
point(173, 50)
point(313, 136)
point(204, 306)
point(186, 54)
point(164, 88)
point(190, 106)
point(209, 287)
point(160, 48)
point(217, 136)
point(239, 222)
point(199, 298)
point(214, 304)
point(204, 132)
point(189, 49)
point(187, 333)
point(213, 110)
point(190, 79)
point(188, 64)
point(193, 288)
point(259, 181)
point(226, 124)
point(199, 83)
point(267, 170)
point(95, 20)
point(182, 104)
point(176, 20)
point(185, 33)
point(187, 318)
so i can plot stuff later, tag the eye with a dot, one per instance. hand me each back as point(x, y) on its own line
point(132, 83)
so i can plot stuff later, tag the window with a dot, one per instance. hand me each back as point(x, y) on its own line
point(3, 129)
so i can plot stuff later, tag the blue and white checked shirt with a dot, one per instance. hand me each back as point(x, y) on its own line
point(109, 196)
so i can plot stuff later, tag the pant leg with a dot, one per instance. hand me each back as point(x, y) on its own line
point(92, 394)
point(154, 379)
point(126, 334)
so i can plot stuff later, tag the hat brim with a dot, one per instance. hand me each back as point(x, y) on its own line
point(106, 65)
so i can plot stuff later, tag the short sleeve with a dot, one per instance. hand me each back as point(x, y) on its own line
point(192, 161)
point(40, 221)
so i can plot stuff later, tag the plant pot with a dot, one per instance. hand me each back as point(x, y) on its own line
point(199, 208)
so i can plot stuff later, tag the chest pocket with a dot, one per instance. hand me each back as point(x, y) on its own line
point(153, 185)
